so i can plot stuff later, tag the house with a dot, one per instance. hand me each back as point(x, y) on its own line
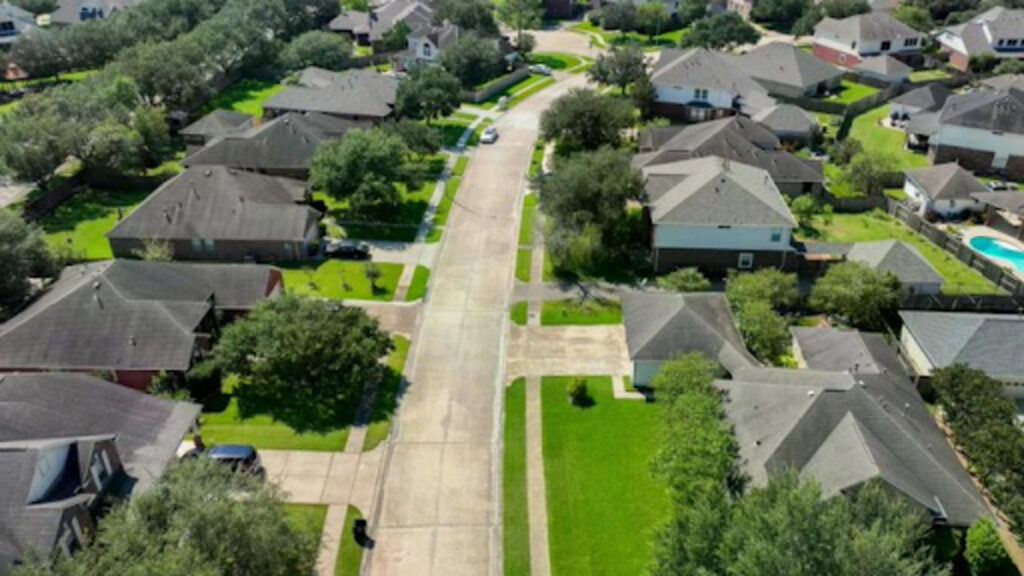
point(846, 430)
point(356, 95)
point(944, 189)
point(219, 213)
point(988, 342)
point(849, 41)
point(427, 42)
point(982, 130)
point(786, 70)
point(70, 12)
point(1004, 81)
point(716, 214)
point(928, 98)
point(792, 124)
point(834, 350)
point(283, 146)
point(660, 327)
point(216, 124)
point(14, 21)
point(902, 260)
point(373, 26)
point(739, 139)
point(697, 85)
point(67, 442)
point(997, 33)
point(884, 68)
point(130, 318)
point(1003, 210)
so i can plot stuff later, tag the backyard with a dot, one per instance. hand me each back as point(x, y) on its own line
point(246, 96)
point(887, 141)
point(603, 502)
point(850, 92)
point(81, 222)
point(338, 280)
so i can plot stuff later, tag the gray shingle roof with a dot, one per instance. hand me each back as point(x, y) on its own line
point(662, 326)
point(287, 142)
point(786, 64)
point(702, 68)
point(351, 21)
point(70, 11)
point(1001, 109)
point(441, 35)
point(215, 202)
point(23, 21)
point(843, 431)
point(978, 33)
point(1005, 81)
point(873, 26)
point(359, 93)
point(884, 65)
point(787, 119)
point(988, 342)
point(924, 124)
point(127, 314)
point(837, 350)
point(900, 259)
point(218, 123)
point(946, 182)
point(381, 19)
point(736, 138)
point(929, 97)
point(712, 191)
point(1011, 201)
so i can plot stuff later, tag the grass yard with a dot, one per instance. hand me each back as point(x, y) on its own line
point(960, 279)
point(537, 159)
point(306, 516)
point(851, 92)
point(350, 554)
point(614, 37)
point(418, 286)
point(517, 92)
point(556, 60)
point(530, 90)
point(888, 141)
point(588, 312)
point(926, 75)
point(444, 208)
point(337, 280)
point(603, 503)
point(246, 96)
point(516, 515)
point(519, 313)
point(452, 129)
point(84, 219)
point(524, 258)
point(387, 398)
point(528, 221)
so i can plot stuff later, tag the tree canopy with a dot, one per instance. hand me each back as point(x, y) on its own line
point(23, 254)
point(582, 120)
point(520, 15)
point(470, 15)
point(317, 48)
point(620, 66)
point(653, 18)
point(777, 288)
point(853, 291)
point(302, 361)
point(780, 15)
point(722, 30)
point(756, 298)
point(473, 59)
point(685, 280)
point(428, 92)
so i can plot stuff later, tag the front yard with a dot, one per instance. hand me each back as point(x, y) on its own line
point(615, 37)
point(515, 511)
point(576, 312)
point(81, 223)
point(338, 280)
point(888, 141)
point(603, 502)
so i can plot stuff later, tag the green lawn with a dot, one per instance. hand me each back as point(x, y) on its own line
point(306, 516)
point(515, 509)
point(83, 221)
point(452, 129)
point(888, 141)
point(246, 96)
point(418, 287)
point(603, 503)
point(926, 75)
point(338, 279)
point(537, 159)
point(529, 90)
point(350, 554)
point(387, 398)
point(451, 189)
point(528, 221)
point(575, 312)
point(524, 257)
point(556, 60)
point(519, 313)
point(851, 92)
point(516, 92)
point(960, 279)
point(614, 37)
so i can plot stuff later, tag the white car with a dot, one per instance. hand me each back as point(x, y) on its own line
point(541, 69)
point(489, 136)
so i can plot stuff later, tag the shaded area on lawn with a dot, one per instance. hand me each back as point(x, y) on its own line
point(388, 395)
point(603, 502)
point(246, 96)
point(337, 280)
point(580, 312)
point(83, 220)
point(516, 515)
point(850, 92)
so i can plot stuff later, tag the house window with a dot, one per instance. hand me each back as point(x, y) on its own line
point(1011, 42)
point(853, 45)
point(7, 26)
point(910, 42)
point(886, 45)
point(700, 94)
point(776, 234)
point(197, 245)
point(746, 261)
point(208, 246)
point(1000, 42)
point(426, 50)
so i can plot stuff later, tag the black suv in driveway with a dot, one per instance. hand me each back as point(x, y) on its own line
point(347, 250)
point(240, 457)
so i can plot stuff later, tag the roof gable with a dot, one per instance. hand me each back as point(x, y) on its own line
point(781, 63)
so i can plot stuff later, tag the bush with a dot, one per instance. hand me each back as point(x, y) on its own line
point(985, 553)
point(685, 280)
point(578, 391)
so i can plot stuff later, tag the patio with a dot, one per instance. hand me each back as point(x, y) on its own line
point(967, 234)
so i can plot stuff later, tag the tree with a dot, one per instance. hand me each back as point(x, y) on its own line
point(200, 518)
point(652, 18)
point(582, 119)
point(805, 208)
point(842, 151)
point(644, 96)
point(37, 7)
point(780, 15)
point(419, 138)
point(429, 92)
point(722, 30)
point(155, 251)
point(685, 280)
point(770, 285)
point(42, 56)
point(1009, 66)
point(985, 553)
point(855, 292)
point(112, 148)
point(765, 332)
point(868, 172)
point(23, 255)
point(914, 16)
point(520, 15)
point(473, 60)
point(154, 139)
point(317, 48)
point(619, 16)
point(363, 167)
point(621, 66)
point(840, 9)
point(396, 39)
point(469, 15)
point(302, 361)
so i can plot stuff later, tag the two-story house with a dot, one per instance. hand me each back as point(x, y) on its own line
point(426, 43)
point(14, 22)
point(849, 41)
point(697, 85)
point(982, 131)
point(74, 11)
point(373, 26)
point(997, 33)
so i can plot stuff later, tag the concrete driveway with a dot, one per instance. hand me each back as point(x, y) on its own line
point(567, 351)
point(332, 478)
point(562, 40)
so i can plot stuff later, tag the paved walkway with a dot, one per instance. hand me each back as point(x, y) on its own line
point(536, 493)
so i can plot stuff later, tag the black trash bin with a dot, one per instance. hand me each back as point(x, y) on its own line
point(359, 533)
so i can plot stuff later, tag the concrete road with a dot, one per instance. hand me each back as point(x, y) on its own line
point(562, 40)
point(439, 508)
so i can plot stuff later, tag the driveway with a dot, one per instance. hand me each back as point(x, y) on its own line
point(438, 511)
point(562, 40)
point(567, 351)
point(332, 478)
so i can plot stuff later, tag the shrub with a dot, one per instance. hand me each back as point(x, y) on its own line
point(577, 391)
point(685, 280)
point(985, 553)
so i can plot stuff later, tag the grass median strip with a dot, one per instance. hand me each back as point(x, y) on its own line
point(576, 312)
point(350, 554)
point(519, 313)
point(524, 258)
point(516, 515)
point(528, 221)
point(418, 286)
point(387, 397)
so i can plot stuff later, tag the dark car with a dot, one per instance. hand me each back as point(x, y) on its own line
point(241, 458)
point(347, 250)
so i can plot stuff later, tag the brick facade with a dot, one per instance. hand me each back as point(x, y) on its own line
point(961, 62)
point(833, 56)
point(689, 114)
point(973, 160)
point(716, 262)
point(1015, 168)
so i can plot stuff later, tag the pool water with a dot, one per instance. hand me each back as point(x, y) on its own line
point(999, 249)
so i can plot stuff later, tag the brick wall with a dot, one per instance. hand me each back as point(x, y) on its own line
point(833, 56)
point(719, 261)
point(973, 160)
point(960, 61)
point(1015, 167)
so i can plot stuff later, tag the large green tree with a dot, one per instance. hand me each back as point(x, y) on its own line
point(722, 30)
point(653, 18)
point(914, 16)
point(855, 292)
point(985, 553)
point(765, 332)
point(469, 15)
point(199, 519)
point(779, 15)
point(473, 59)
point(317, 48)
point(621, 66)
point(305, 362)
point(428, 92)
point(23, 255)
point(771, 285)
point(520, 15)
point(582, 120)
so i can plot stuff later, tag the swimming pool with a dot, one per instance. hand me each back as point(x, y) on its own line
point(999, 250)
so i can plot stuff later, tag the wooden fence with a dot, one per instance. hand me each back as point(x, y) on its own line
point(496, 86)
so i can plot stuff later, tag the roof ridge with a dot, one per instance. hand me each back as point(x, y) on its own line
point(678, 305)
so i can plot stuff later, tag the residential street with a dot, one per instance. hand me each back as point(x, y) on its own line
point(438, 513)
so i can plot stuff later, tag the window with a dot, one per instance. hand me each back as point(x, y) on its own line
point(1000, 42)
point(7, 26)
point(776, 234)
point(746, 261)
point(426, 50)
point(1011, 42)
point(700, 94)
point(197, 245)
point(886, 45)
point(853, 45)
point(910, 42)
point(208, 246)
